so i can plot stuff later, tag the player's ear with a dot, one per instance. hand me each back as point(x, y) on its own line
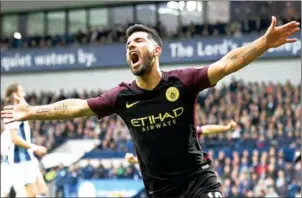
point(157, 51)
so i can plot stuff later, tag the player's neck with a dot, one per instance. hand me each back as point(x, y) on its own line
point(150, 80)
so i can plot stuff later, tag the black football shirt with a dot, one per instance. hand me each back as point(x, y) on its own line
point(161, 123)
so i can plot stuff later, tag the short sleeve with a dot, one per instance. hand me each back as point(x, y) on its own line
point(104, 104)
point(197, 78)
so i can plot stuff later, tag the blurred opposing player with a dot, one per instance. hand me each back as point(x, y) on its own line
point(6, 179)
point(158, 108)
point(200, 130)
point(27, 178)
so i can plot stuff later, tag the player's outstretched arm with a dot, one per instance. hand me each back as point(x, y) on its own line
point(240, 57)
point(65, 109)
point(214, 129)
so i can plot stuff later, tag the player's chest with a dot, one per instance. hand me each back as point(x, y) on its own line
point(165, 98)
point(162, 107)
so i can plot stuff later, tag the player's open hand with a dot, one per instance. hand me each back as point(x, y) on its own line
point(19, 112)
point(232, 125)
point(277, 36)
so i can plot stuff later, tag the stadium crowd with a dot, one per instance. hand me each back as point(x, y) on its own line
point(63, 175)
point(256, 19)
point(254, 160)
point(92, 171)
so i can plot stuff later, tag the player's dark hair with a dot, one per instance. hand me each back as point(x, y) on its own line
point(12, 193)
point(152, 34)
point(9, 93)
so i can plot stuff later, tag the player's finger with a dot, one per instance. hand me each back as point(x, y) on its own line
point(295, 30)
point(297, 24)
point(6, 112)
point(8, 107)
point(291, 40)
point(6, 116)
point(291, 24)
point(274, 22)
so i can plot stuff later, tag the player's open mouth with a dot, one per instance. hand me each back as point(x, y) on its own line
point(135, 59)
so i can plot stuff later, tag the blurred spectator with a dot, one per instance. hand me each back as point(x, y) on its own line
point(88, 171)
point(281, 183)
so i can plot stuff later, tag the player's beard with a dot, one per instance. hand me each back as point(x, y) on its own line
point(145, 66)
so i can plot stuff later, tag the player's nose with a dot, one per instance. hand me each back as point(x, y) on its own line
point(131, 47)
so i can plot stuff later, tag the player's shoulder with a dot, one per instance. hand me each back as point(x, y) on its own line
point(196, 77)
point(129, 87)
point(4, 133)
point(174, 72)
point(120, 87)
point(183, 74)
point(186, 69)
point(114, 92)
point(13, 125)
point(182, 71)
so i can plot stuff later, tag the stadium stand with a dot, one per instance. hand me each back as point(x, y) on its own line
point(255, 160)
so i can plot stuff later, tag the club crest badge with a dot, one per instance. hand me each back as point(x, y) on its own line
point(172, 94)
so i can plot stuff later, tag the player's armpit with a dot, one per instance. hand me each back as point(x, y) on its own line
point(216, 72)
point(104, 104)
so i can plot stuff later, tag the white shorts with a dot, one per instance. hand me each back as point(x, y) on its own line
point(25, 172)
point(6, 179)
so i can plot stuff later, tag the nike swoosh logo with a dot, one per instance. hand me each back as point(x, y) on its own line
point(131, 105)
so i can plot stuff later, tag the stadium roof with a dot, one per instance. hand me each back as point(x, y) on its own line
point(24, 6)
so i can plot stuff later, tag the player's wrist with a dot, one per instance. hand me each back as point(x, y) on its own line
point(33, 147)
point(32, 112)
point(264, 42)
point(228, 127)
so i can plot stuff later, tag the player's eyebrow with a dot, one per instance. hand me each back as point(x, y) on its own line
point(135, 39)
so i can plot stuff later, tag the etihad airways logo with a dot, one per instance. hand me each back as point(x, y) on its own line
point(157, 121)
